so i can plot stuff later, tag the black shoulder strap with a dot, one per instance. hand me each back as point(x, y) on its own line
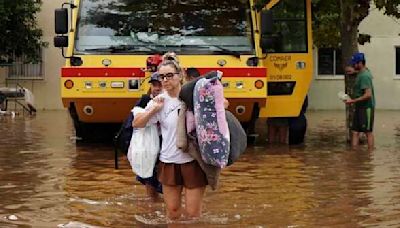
point(143, 101)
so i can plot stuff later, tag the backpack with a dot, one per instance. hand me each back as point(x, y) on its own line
point(124, 135)
point(238, 138)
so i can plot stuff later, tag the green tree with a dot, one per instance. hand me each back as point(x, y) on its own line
point(19, 32)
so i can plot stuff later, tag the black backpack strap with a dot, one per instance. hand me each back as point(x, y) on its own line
point(143, 101)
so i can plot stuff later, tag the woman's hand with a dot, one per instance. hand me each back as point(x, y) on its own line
point(226, 103)
point(141, 119)
point(158, 103)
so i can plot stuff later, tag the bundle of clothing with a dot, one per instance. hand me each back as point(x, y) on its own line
point(208, 132)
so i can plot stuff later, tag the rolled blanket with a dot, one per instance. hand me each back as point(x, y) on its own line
point(211, 125)
point(186, 94)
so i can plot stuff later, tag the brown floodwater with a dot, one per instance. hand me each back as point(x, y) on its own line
point(47, 180)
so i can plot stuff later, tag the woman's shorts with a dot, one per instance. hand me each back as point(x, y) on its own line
point(188, 174)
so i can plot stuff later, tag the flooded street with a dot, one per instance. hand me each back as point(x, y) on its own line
point(47, 180)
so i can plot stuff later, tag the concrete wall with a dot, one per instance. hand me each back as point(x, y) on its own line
point(380, 56)
point(47, 92)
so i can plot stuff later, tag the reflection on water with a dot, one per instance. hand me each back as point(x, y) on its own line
point(46, 180)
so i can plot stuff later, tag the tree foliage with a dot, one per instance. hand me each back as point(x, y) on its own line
point(334, 19)
point(20, 34)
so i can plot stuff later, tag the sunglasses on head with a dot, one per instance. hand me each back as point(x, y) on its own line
point(168, 76)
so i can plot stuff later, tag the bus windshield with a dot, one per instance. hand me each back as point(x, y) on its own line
point(183, 26)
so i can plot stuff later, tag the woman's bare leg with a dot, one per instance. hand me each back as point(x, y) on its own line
point(172, 199)
point(194, 201)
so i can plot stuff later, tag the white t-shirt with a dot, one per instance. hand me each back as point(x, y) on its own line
point(168, 119)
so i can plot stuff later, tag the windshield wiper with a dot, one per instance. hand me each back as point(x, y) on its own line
point(123, 49)
point(223, 50)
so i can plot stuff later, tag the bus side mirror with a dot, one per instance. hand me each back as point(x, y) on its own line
point(267, 22)
point(61, 41)
point(271, 43)
point(269, 40)
point(61, 21)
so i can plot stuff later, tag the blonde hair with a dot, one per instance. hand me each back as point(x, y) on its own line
point(172, 63)
point(170, 56)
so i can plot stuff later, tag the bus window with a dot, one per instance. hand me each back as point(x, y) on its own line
point(290, 24)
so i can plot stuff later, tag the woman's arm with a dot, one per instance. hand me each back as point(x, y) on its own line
point(141, 119)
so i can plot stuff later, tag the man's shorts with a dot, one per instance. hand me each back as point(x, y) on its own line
point(152, 181)
point(363, 119)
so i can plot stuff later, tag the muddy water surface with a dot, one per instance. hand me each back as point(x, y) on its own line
point(47, 180)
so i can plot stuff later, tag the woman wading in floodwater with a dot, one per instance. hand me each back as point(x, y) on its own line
point(177, 171)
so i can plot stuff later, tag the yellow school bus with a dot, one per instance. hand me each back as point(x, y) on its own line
point(264, 49)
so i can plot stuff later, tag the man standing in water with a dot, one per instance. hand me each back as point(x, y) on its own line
point(364, 101)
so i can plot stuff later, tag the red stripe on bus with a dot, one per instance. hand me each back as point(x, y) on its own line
point(101, 72)
point(238, 72)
